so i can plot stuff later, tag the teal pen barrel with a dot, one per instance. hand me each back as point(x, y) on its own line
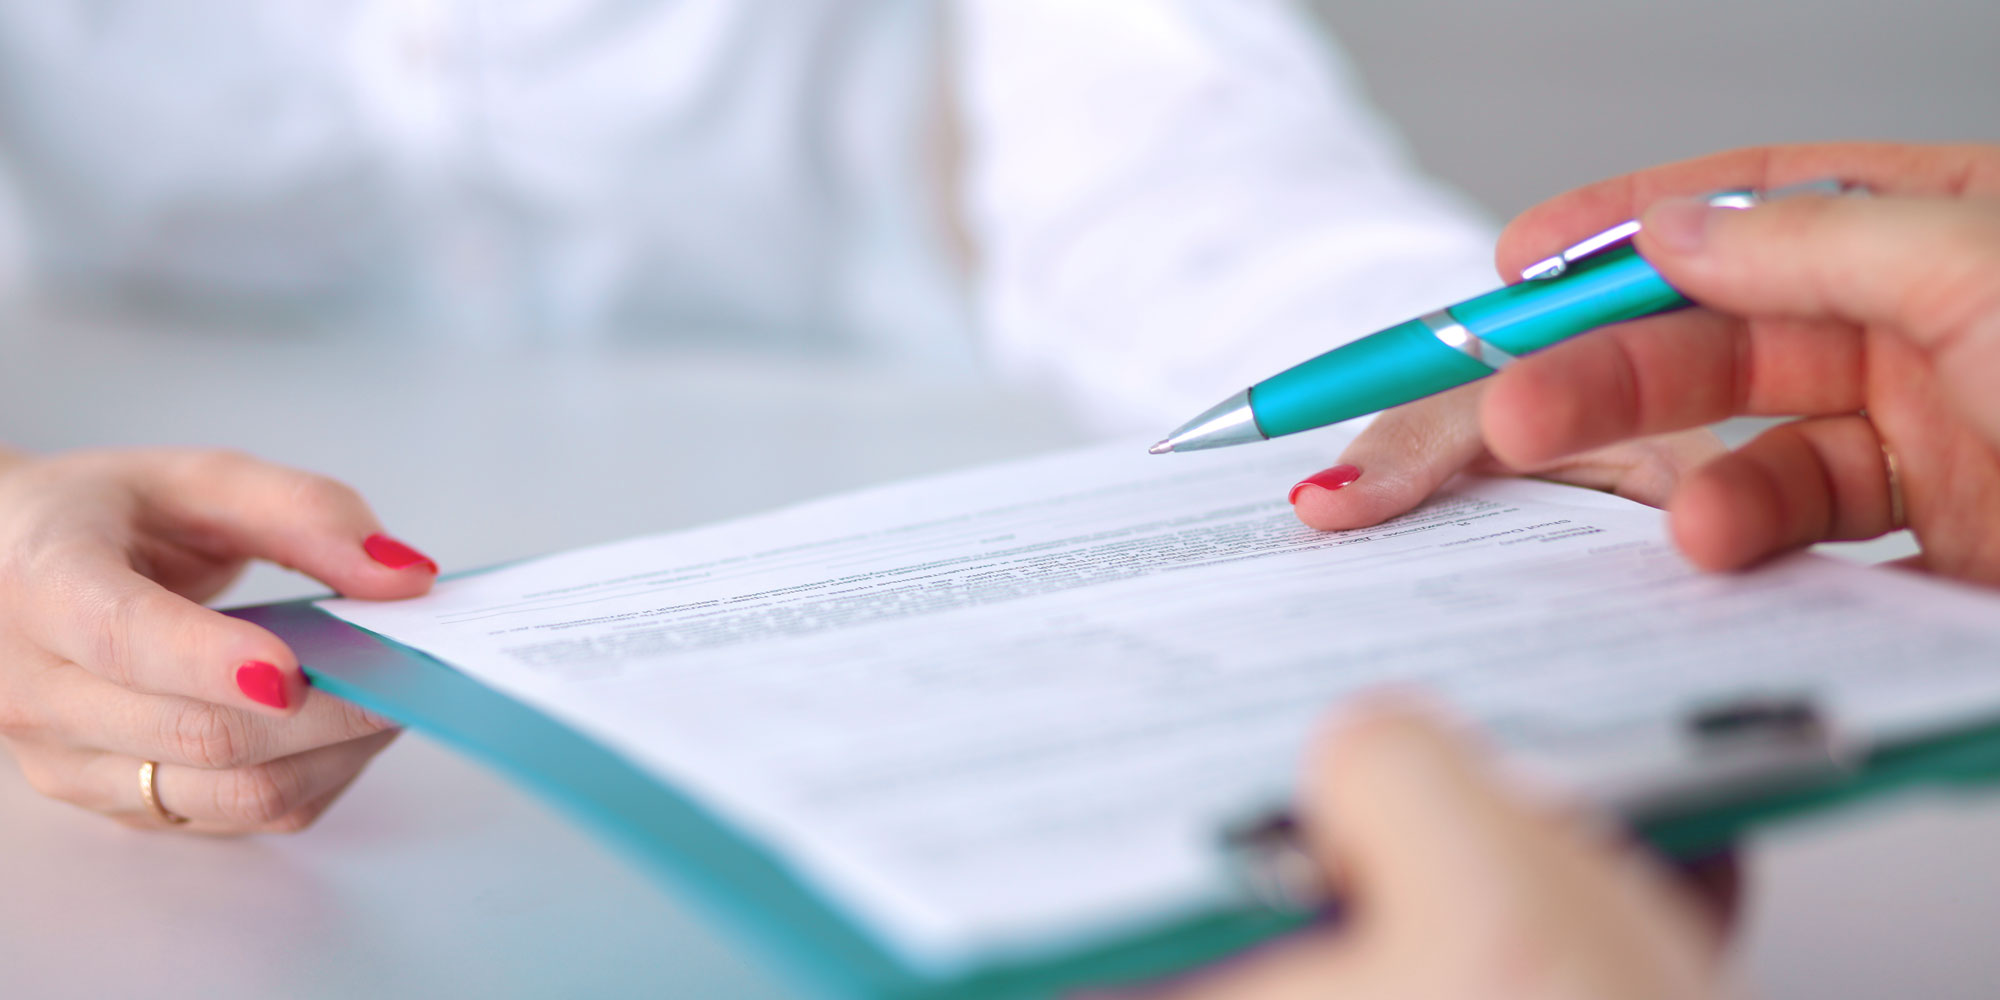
point(1407, 362)
point(1597, 291)
point(1378, 371)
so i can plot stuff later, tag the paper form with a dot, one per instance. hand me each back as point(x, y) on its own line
point(999, 710)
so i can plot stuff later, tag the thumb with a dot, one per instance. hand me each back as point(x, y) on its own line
point(1395, 463)
point(1471, 887)
point(1417, 827)
point(1928, 268)
point(1398, 809)
point(243, 507)
point(1456, 888)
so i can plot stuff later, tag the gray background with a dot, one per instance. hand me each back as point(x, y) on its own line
point(1515, 102)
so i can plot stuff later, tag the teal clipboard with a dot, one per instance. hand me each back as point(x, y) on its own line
point(749, 889)
point(745, 887)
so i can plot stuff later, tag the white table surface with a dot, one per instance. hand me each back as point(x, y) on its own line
point(435, 878)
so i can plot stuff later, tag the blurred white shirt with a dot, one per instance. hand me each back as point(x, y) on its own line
point(1165, 199)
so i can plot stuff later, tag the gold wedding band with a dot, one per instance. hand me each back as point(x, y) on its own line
point(152, 795)
point(1898, 515)
point(1898, 518)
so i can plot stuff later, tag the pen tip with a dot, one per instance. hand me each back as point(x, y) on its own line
point(1165, 445)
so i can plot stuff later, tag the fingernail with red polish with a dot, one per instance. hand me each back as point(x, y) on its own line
point(262, 683)
point(394, 554)
point(1328, 479)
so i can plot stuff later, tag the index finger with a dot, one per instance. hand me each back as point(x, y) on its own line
point(1883, 167)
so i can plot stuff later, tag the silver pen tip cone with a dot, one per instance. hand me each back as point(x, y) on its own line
point(1166, 445)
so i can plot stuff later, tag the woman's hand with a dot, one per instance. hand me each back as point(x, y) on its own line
point(1407, 453)
point(1876, 319)
point(1454, 889)
point(108, 659)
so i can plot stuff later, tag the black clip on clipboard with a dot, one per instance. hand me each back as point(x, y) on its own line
point(1750, 762)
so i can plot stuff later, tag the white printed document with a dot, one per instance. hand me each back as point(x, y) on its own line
point(1000, 710)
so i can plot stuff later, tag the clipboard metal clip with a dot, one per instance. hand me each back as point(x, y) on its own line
point(1738, 750)
point(1273, 864)
point(1726, 752)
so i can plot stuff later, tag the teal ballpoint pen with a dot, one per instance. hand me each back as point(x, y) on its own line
point(1597, 282)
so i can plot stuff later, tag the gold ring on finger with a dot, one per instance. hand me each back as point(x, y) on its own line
point(149, 790)
point(1898, 515)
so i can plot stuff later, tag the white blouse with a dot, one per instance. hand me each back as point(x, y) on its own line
point(1144, 202)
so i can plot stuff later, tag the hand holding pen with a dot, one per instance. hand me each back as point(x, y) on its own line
point(1874, 318)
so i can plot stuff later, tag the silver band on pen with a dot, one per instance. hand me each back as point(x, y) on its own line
point(1453, 334)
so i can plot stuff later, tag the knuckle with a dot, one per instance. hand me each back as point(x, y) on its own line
point(217, 464)
point(19, 717)
point(22, 560)
point(257, 796)
point(120, 616)
point(126, 625)
point(208, 736)
point(49, 781)
point(136, 822)
point(322, 495)
point(298, 820)
point(356, 722)
point(1417, 435)
point(1968, 296)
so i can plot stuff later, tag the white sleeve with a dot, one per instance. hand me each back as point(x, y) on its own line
point(1171, 199)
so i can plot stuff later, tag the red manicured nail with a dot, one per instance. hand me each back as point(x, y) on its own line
point(394, 554)
point(1328, 479)
point(262, 683)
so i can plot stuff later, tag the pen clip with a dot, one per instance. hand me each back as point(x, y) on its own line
point(1622, 233)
